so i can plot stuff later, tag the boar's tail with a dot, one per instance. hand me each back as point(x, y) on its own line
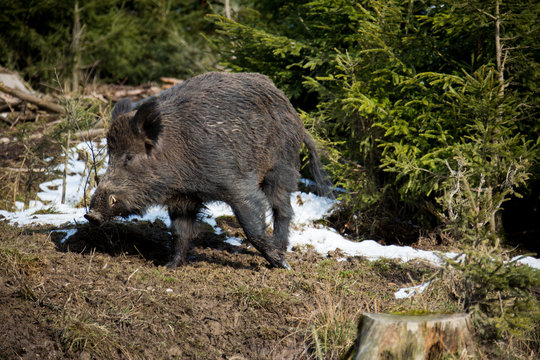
point(324, 185)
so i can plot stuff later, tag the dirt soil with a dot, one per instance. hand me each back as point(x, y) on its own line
point(104, 294)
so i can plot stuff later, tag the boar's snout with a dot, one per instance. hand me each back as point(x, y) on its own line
point(104, 207)
point(94, 217)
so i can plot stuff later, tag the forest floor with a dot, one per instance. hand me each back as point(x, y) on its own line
point(103, 293)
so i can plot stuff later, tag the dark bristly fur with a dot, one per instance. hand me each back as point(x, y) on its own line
point(229, 137)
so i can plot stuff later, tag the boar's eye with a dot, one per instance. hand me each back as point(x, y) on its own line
point(128, 158)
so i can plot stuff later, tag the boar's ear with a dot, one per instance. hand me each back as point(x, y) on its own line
point(147, 122)
point(122, 106)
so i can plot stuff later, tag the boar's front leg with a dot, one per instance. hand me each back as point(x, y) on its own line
point(183, 215)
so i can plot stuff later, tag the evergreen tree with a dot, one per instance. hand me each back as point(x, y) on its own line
point(428, 106)
point(403, 89)
point(116, 40)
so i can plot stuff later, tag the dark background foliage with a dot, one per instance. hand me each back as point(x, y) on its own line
point(427, 110)
point(400, 92)
point(128, 41)
point(400, 89)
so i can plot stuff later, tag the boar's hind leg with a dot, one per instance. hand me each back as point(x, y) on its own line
point(277, 186)
point(183, 216)
point(250, 212)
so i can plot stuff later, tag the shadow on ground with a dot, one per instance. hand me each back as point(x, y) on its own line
point(150, 240)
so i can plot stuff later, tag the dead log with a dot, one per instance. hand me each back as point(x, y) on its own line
point(402, 337)
point(32, 99)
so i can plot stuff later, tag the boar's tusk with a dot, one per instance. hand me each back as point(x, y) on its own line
point(112, 200)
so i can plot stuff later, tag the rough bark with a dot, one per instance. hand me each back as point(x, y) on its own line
point(401, 337)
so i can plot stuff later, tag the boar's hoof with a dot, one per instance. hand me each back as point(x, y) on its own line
point(278, 261)
point(175, 262)
point(94, 217)
point(284, 264)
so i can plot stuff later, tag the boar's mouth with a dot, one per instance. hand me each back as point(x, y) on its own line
point(102, 210)
point(96, 218)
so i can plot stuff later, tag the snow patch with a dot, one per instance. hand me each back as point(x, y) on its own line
point(307, 207)
point(405, 293)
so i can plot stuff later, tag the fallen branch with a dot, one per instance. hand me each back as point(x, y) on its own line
point(90, 134)
point(15, 117)
point(170, 80)
point(8, 106)
point(83, 134)
point(24, 170)
point(32, 99)
point(129, 92)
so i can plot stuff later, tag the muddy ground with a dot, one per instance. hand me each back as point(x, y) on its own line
point(105, 294)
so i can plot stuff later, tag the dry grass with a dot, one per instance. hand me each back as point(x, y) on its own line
point(96, 296)
point(332, 326)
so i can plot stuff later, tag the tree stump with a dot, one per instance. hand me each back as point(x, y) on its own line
point(403, 337)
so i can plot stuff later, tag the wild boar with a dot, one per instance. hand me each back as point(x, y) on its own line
point(216, 137)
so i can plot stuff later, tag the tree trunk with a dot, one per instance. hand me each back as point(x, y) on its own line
point(496, 221)
point(76, 47)
point(401, 337)
point(499, 48)
point(66, 163)
point(228, 9)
